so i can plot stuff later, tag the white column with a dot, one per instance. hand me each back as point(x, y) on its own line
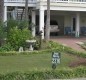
point(41, 20)
point(33, 23)
point(13, 14)
point(5, 13)
point(77, 24)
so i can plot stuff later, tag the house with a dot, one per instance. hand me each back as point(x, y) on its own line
point(70, 14)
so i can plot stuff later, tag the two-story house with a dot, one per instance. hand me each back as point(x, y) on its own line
point(69, 14)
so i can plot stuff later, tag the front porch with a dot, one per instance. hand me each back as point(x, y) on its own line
point(70, 23)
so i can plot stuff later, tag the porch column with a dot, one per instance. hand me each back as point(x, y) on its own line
point(33, 23)
point(5, 13)
point(14, 13)
point(77, 24)
point(41, 20)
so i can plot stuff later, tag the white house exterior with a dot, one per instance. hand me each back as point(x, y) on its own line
point(70, 14)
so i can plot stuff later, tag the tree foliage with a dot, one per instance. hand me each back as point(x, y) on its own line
point(17, 37)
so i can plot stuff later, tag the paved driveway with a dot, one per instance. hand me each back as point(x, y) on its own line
point(70, 41)
point(70, 79)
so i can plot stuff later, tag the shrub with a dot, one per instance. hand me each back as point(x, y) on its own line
point(22, 24)
point(11, 24)
point(17, 37)
point(41, 44)
point(6, 47)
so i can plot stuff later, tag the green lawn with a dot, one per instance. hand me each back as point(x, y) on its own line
point(31, 62)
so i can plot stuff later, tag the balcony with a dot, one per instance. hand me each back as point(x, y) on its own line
point(69, 1)
point(34, 1)
point(19, 1)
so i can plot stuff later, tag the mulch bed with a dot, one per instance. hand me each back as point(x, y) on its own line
point(79, 62)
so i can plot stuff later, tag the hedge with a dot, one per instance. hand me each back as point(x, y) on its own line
point(46, 74)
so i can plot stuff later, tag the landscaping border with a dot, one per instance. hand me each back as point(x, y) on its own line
point(46, 74)
point(55, 47)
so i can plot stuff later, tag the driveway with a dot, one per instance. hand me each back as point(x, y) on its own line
point(70, 79)
point(70, 41)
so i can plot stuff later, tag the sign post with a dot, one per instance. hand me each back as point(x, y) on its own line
point(55, 59)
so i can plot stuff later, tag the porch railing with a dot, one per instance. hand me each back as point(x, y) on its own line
point(70, 1)
point(34, 1)
point(20, 1)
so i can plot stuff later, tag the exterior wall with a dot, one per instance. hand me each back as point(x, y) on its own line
point(67, 21)
point(83, 21)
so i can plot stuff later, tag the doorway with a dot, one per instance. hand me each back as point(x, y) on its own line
point(74, 24)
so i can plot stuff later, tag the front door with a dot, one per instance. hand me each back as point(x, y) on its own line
point(74, 24)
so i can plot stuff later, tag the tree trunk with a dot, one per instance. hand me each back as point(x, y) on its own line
point(26, 10)
point(1, 16)
point(1, 10)
point(47, 29)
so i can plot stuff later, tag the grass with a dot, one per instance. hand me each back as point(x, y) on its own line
point(31, 62)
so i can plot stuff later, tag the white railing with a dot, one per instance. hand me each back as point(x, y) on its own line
point(34, 1)
point(20, 1)
point(69, 1)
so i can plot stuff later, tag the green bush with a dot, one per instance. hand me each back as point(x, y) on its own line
point(41, 45)
point(56, 45)
point(47, 45)
point(11, 24)
point(17, 37)
point(23, 24)
point(15, 23)
point(46, 74)
point(6, 47)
